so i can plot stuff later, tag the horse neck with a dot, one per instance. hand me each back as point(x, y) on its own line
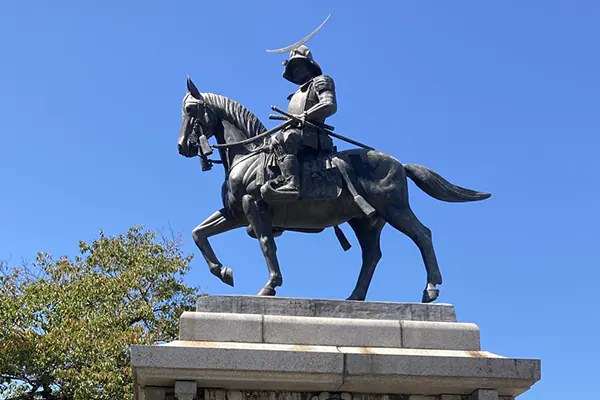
point(231, 134)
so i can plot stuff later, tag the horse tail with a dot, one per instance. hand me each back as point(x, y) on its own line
point(439, 188)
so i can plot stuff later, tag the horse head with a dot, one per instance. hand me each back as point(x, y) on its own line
point(198, 123)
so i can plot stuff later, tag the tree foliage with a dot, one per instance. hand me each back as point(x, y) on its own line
point(66, 324)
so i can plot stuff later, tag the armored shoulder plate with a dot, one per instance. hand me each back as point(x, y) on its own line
point(324, 83)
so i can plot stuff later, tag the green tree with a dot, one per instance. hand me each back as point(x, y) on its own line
point(66, 324)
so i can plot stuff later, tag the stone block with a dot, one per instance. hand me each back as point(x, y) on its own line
point(185, 390)
point(331, 331)
point(235, 395)
point(432, 372)
point(484, 394)
point(239, 365)
point(221, 327)
point(153, 393)
point(264, 348)
point(450, 397)
point(215, 394)
point(440, 335)
point(257, 366)
point(267, 305)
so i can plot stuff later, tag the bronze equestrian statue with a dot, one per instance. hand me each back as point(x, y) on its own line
point(296, 181)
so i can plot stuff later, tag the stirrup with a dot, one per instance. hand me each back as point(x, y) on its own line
point(271, 195)
point(284, 189)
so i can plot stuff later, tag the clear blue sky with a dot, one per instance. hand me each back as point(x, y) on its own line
point(496, 96)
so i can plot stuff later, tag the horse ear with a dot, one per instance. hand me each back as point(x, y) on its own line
point(193, 89)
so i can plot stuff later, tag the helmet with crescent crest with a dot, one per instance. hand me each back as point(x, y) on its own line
point(300, 59)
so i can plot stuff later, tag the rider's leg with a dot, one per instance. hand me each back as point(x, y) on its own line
point(291, 142)
point(290, 168)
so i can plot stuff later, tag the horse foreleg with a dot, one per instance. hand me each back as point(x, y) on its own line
point(368, 233)
point(262, 224)
point(214, 225)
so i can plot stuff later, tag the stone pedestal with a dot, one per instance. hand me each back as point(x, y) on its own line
point(254, 348)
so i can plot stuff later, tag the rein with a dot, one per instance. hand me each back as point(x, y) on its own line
point(262, 149)
point(255, 138)
point(247, 156)
point(204, 149)
point(207, 162)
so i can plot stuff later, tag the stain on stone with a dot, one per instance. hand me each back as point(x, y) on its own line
point(366, 350)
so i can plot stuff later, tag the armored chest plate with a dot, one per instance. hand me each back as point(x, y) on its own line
point(299, 101)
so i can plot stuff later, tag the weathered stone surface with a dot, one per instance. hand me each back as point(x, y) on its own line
point(239, 365)
point(253, 328)
point(185, 390)
point(435, 371)
point(267, 305)
point(440, 335)
point(221, 327)
point(481, 394)
point(219, 394)
point(215, 394)
point(256, 351)
point(153, 393)
point(329, 368)
point(331, 331)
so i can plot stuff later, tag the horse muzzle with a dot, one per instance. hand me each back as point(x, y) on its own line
point(187, 150)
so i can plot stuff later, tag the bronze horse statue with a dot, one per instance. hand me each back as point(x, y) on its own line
point(379, 178)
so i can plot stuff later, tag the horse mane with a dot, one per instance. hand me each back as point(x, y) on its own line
point(235, 113)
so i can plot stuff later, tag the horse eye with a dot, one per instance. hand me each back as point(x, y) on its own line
point(190, 108)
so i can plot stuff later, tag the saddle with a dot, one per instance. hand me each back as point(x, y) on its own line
point(320, 179)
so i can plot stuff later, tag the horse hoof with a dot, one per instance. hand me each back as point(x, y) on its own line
point(227, 276)
point(430, 295)
point(356, 298)
point(266, 291)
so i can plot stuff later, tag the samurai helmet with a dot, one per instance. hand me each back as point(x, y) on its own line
point(300, 54)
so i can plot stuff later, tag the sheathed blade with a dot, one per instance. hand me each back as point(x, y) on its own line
point(301, 42)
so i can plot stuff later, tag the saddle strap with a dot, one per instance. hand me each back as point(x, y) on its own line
point(262, 170)
point(364, 205)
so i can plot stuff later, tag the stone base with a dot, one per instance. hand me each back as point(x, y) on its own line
point(257, 347)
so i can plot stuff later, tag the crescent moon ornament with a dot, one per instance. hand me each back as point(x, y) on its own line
point(301, 42)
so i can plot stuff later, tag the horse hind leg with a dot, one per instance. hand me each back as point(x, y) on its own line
point(368, 233)
point(404, 220)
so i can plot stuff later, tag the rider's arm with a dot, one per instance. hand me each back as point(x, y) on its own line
point(327, 105)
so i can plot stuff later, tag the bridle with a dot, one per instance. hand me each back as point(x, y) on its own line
point(198, 138)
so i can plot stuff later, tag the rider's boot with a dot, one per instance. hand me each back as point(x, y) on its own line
point(290, 169)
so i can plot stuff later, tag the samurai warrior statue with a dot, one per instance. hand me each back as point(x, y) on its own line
point(314, 101)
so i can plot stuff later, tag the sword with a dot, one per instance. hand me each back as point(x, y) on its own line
point(284, 118)
point(321, 128)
